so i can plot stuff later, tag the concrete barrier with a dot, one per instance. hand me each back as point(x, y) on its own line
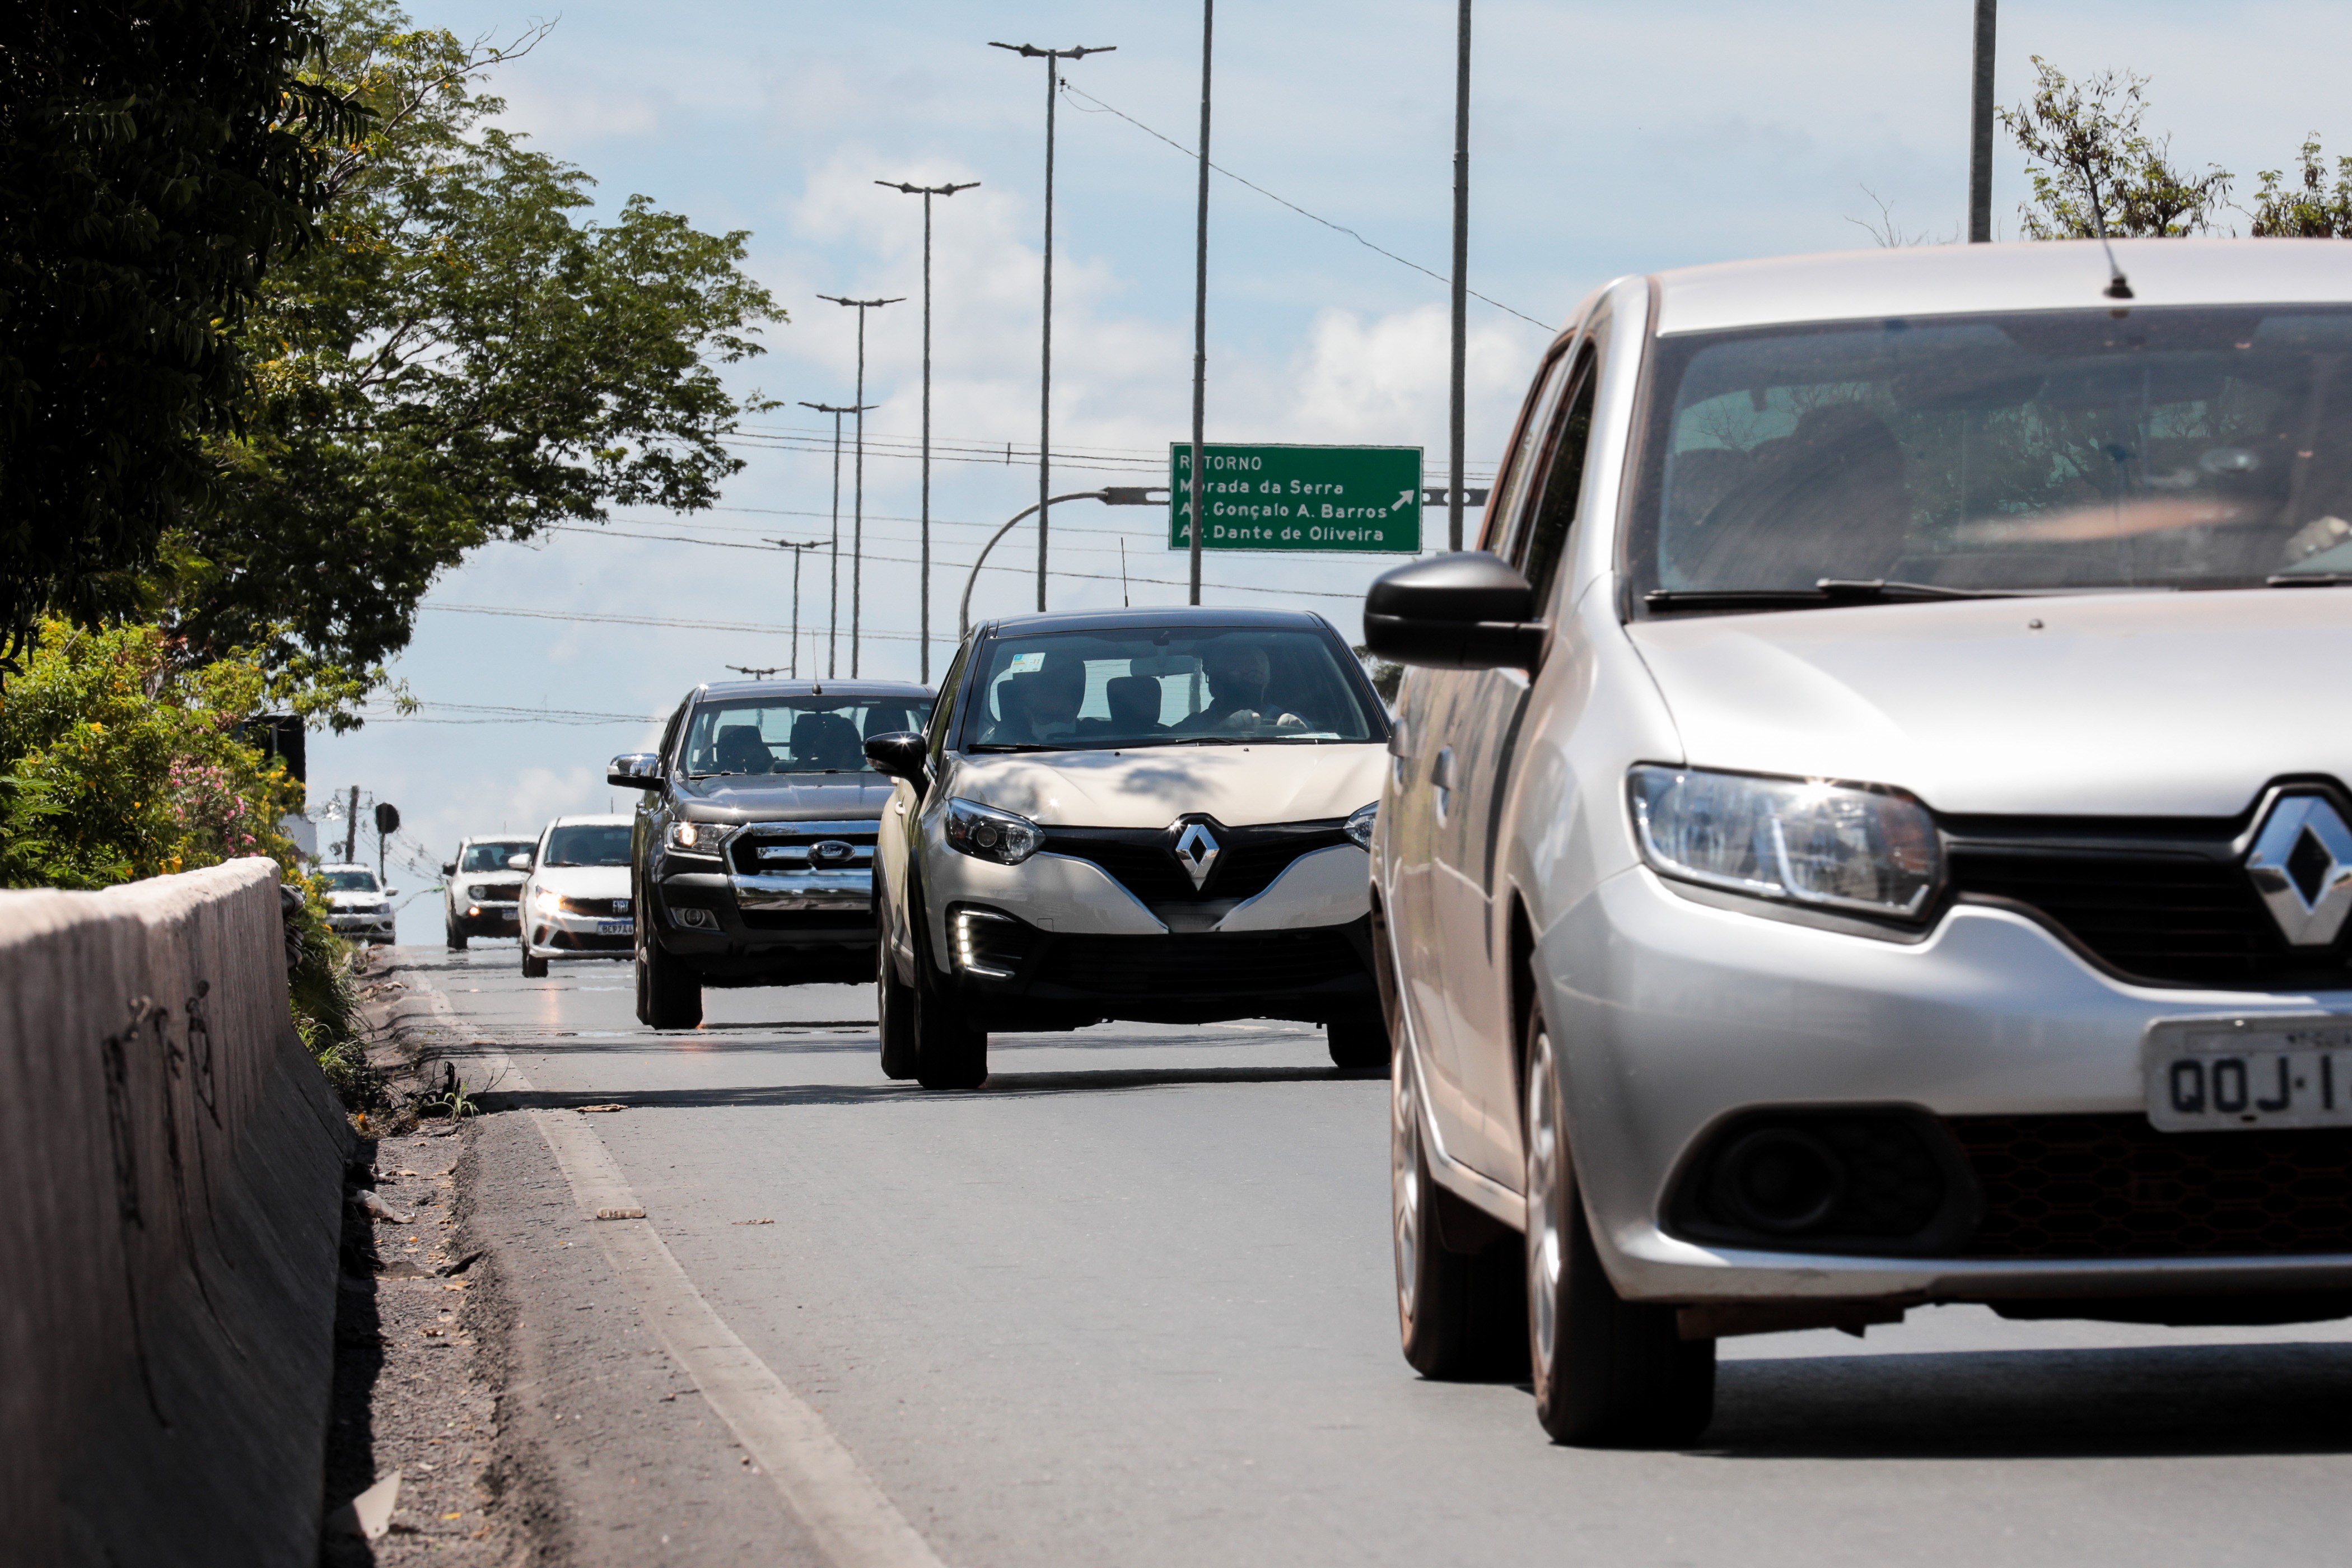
point(170, 1166)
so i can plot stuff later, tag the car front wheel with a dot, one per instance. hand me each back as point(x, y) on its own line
point(948, 1052)
point(669, 996)
point(532, 968)
point(1458, 1294)
point(894, 1009)
point(1609, 1372)
point(456, 938)
point(1358, 1043)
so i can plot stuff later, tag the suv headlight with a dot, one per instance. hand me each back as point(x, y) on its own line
point(1862, 848)
point(700, 837)
point(985, 833)
point(1360, 825)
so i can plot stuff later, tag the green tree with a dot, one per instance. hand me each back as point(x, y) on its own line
point(156, 157)
point(2310, 209)
point(465, 359)
point(2096, 171)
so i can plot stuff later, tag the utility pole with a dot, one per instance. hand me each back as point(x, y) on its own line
point(1200, 315)
point(796, 549)
point(1456, 418)
point(926, 193)
point(857, 526)
point(1980, 129)
point(833, 612)
point(352, 828)
point(1046, 373)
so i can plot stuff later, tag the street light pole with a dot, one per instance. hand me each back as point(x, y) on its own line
point(796, 549)
point(1115, 495)
point(832, 610)
point(1045, 373)
point(1200, 302)
point(857, 536)
point(1456, 418)
point(1980, 129)
point(926, 193)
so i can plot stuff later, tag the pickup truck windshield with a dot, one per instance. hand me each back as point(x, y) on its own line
point(1153, 687)
point(2045, 452)
point(794, 734)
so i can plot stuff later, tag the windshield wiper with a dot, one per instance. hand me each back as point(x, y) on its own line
point(721, 773)
point(1021, 746)
point(1827, 590)
point(2307, 579)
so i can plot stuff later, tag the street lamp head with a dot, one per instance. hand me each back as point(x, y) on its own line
point(1032, 52)
point(862, 304)
point(947, 190)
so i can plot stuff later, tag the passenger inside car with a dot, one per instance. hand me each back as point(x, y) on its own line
point(739, 750)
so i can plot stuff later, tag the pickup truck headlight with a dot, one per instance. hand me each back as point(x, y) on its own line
point(985, 833)
point(1360, 825)
point(700, 837)
point(1860, 847)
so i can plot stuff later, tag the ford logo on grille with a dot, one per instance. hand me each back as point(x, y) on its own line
point(832, 852)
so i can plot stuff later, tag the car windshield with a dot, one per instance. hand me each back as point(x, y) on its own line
point(491, 857)
point(1162, 687)
point(796, 734)
point(587, 844)
point(349, 881)
point(2056, 451)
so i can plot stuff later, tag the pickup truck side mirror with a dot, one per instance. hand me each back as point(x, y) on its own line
point(1469, 610)
point(902, 754)
point(634, 769)
point(518, 862)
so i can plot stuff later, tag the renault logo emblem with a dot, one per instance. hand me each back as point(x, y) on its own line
point(2302, 867)
point(1196, 851)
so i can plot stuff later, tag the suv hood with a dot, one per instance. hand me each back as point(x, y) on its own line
point(1152, 787)
point(2155, 704)
point(767, 797)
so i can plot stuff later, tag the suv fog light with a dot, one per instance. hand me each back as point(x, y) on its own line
point(1778, 1179)
point(965, 944)
point(695, 920)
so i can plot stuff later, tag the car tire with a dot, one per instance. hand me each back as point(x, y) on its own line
point(669, 994)
point(1459, 1297)
point(894, 1009)
point(1358, 1043)
point(532, 968)
point(456, 938)
point(948, 1052)
point(1608, 1373)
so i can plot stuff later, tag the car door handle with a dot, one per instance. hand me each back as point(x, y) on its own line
point(1441, 771)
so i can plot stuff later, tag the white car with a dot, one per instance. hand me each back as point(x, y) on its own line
point(359, 906)
point(575, 901)
point(1876, 832)
point(1152, 815)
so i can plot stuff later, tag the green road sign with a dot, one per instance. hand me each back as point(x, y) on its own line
point(1299, 497)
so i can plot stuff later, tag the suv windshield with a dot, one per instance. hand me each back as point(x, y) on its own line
point(587, 844)
point(491, 857)
point(794, 734)
point(2062, 450)
point(1160, 687)
point(349, 881)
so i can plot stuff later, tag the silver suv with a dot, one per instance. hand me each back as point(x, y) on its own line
point(482, 887)
point(1872, 826)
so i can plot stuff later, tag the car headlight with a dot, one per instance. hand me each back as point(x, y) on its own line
point(1359, 824)
point(985, 833)
point(547, 901)
point(1862, 848)
point(700, 837)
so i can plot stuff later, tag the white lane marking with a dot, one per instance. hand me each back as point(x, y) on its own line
point(852, 1522)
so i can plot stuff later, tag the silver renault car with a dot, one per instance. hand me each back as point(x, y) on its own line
point(1870, 828)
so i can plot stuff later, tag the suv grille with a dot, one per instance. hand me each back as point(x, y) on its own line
point(1143, 859)
point(2163, 901)
point(2113, 1186)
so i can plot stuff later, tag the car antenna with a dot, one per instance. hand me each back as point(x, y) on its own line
point(2118, 286)
point(816, 689)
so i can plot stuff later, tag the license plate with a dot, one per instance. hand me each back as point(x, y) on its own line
point(616, 927)
point(2216, 1075)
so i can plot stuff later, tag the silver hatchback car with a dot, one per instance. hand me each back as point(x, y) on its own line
point(1871, 826)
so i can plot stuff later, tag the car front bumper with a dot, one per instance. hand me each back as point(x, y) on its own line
point(1678, 1017)
point(567, 933)
point(766, 927)
point(487, 918)
point(362, 927)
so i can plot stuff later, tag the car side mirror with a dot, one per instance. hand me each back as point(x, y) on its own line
point(902, 754)
point(1469, 610)
point(518, 862)
point(449, 867)
point(391, 893)
point(634, 769)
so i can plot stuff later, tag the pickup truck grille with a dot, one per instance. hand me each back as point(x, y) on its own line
point(772, 846)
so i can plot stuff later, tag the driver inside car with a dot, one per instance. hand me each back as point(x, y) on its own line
point(1238, 675)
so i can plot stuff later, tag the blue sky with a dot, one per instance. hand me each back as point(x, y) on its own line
point(1605, 139)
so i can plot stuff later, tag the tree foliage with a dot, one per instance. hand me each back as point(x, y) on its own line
point(155, 159)
point(2096, 171)
point(465, 358)
point(2309, 209)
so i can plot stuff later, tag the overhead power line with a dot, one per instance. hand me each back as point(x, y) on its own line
point(1281, 201)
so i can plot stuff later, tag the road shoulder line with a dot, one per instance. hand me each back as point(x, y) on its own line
point(853, 1522)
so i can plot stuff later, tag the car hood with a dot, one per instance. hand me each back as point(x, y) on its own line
point(353, 900)
point(584, 881)
point(1153, 786)
point(768, 797)
point(2124, 704)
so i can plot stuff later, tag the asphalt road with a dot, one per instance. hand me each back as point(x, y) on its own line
point(1130, 1303)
